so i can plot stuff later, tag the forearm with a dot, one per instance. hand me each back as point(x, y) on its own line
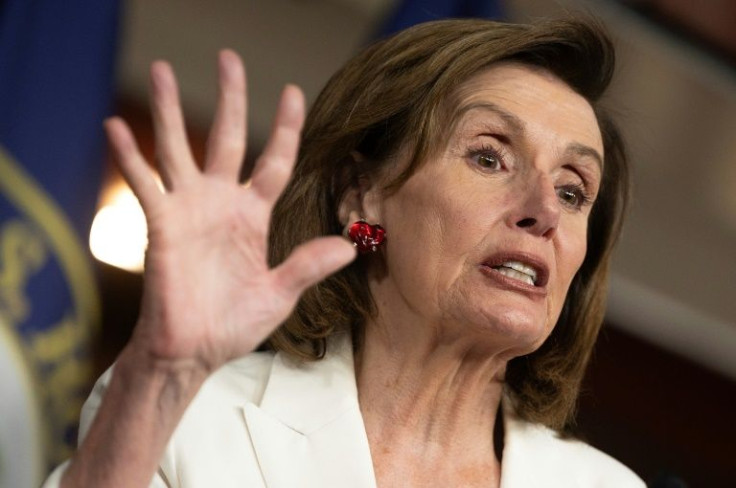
point(140, 410)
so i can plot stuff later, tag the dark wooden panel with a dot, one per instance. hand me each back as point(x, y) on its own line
point(658, 412)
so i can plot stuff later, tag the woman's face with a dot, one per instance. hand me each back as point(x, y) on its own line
point(485, 238)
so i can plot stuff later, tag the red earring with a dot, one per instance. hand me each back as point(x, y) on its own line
point(366, 237)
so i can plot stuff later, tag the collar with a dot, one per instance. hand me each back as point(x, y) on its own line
point(307, 430)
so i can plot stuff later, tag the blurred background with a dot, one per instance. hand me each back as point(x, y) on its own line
point(661, 392)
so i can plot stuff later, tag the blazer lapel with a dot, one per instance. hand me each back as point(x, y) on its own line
point(308, 430)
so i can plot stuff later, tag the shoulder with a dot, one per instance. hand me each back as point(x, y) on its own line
point(539, 455)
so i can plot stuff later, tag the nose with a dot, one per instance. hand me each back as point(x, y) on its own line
point(538, 208)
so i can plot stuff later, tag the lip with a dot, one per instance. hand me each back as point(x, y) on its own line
point(540, 288)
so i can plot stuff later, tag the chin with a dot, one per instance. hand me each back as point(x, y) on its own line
point(498, 320)
point(504, 327)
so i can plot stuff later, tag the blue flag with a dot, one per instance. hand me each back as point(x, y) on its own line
point(56, 81)
point(410, 12)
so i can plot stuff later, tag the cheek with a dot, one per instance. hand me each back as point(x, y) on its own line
point(571, 246)
point(416, 225)
point(576, 252)
point(570, 256)
point(413, 229)
point(429, 231)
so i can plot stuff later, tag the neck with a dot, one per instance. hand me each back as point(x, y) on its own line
point(429, 403)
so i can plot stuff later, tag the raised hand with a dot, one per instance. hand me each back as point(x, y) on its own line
point(209, 295)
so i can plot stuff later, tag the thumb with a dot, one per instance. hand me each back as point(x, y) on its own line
point(312, 262)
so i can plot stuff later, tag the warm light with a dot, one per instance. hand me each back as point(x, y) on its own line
point(118, 234)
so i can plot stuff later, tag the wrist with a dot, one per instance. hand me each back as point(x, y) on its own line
point(141, 407)
point(173, 381)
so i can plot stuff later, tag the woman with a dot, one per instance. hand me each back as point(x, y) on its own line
point(448, 353)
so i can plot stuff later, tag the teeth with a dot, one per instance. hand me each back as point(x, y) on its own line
point(519, 271)
point(512, 273)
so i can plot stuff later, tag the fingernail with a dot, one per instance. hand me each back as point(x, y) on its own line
point(159, 75)
point(228, 64)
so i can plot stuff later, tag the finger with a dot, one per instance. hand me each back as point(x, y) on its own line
point(175, 158)
point(136, 171)
point(226, 144)
point(312, 262)
point(273, 168)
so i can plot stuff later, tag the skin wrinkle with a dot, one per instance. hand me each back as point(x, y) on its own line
point(512, 124)
point(430, 372)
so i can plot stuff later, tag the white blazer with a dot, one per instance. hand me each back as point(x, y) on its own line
point(264, 421)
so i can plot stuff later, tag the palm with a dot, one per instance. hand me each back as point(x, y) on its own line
point(209, 293)
point(211, 267)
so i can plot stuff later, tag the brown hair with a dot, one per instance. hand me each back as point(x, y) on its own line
point(391, 96)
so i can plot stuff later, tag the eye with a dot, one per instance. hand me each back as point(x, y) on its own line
point(573, 196)
point(489, 161)
point(487, 158)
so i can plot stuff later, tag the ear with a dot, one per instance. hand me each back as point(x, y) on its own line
point(361, 200)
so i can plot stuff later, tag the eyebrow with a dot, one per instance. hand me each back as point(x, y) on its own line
point(518, 127)
point(585, 151)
